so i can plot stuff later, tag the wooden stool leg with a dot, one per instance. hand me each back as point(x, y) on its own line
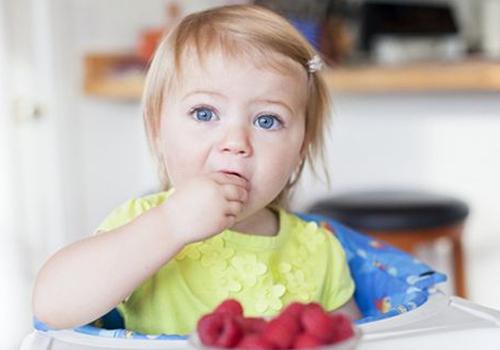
point(458, 267)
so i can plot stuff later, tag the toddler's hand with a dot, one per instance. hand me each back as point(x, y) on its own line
point(205, 206)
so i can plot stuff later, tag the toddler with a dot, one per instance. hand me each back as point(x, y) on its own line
point(233, 107)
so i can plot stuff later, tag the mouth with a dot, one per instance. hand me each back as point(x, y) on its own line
point(235, 173)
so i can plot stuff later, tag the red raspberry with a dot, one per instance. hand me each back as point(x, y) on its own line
point(343, 327)
point(209, 328)
point(231, 333)
point(219, 329)
point(294, 309)
point(313, 305)
point(254, 342)
point(251, 325)
point(281, 331)
point(316, 321)
point(306, 341)
point(231, 306)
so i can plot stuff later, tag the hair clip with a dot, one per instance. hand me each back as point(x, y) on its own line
point(314, 64)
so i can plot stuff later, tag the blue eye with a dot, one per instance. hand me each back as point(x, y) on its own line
point(268, 122)
point(203, 114)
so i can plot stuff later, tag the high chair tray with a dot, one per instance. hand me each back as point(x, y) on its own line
point(441, 322)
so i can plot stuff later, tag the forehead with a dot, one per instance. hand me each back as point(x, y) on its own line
point(253, 75)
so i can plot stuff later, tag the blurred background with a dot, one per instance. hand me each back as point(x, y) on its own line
point(416, 92)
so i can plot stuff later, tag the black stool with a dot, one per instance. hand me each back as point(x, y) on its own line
point(404, 219)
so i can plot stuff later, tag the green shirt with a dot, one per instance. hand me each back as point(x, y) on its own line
point(303, 262)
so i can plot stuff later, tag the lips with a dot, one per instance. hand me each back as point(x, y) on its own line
point(233, 172)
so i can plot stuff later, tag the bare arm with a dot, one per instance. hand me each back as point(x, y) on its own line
point(86, 279)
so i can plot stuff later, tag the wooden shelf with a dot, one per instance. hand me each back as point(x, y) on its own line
point(121, 76)
point(451, 76)
point(115, 76)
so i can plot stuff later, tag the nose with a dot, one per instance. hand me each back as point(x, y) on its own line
point(236, 140)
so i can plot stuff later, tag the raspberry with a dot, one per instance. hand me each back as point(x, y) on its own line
point(316, 321)
point(254, 342)
point(313, 306)
point(281, 331)
point(220, 329)
point(298, 326)
point(343, 327)
point(294, 309)
point(231, 306)
point(231, 333)
point(251, 325)
point(306, 341)
point(209, 328)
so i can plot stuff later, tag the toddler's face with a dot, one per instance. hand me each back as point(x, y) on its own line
point(232, 116)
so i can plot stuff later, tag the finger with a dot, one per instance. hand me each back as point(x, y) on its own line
point(234, 208)
point(224, 178)
point(235, 193)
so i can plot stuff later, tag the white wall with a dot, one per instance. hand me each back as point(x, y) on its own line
point(13, 291)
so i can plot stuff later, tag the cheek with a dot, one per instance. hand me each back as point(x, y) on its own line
point(280, 161)
point(287, 163)
point(274, 175)
point(183, 155)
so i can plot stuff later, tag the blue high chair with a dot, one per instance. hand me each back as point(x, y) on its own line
point(395, 293)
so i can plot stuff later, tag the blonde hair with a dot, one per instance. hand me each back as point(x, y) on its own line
point(257, 33)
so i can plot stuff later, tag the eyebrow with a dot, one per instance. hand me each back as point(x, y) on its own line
point(204, 92)
point(275, 102)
